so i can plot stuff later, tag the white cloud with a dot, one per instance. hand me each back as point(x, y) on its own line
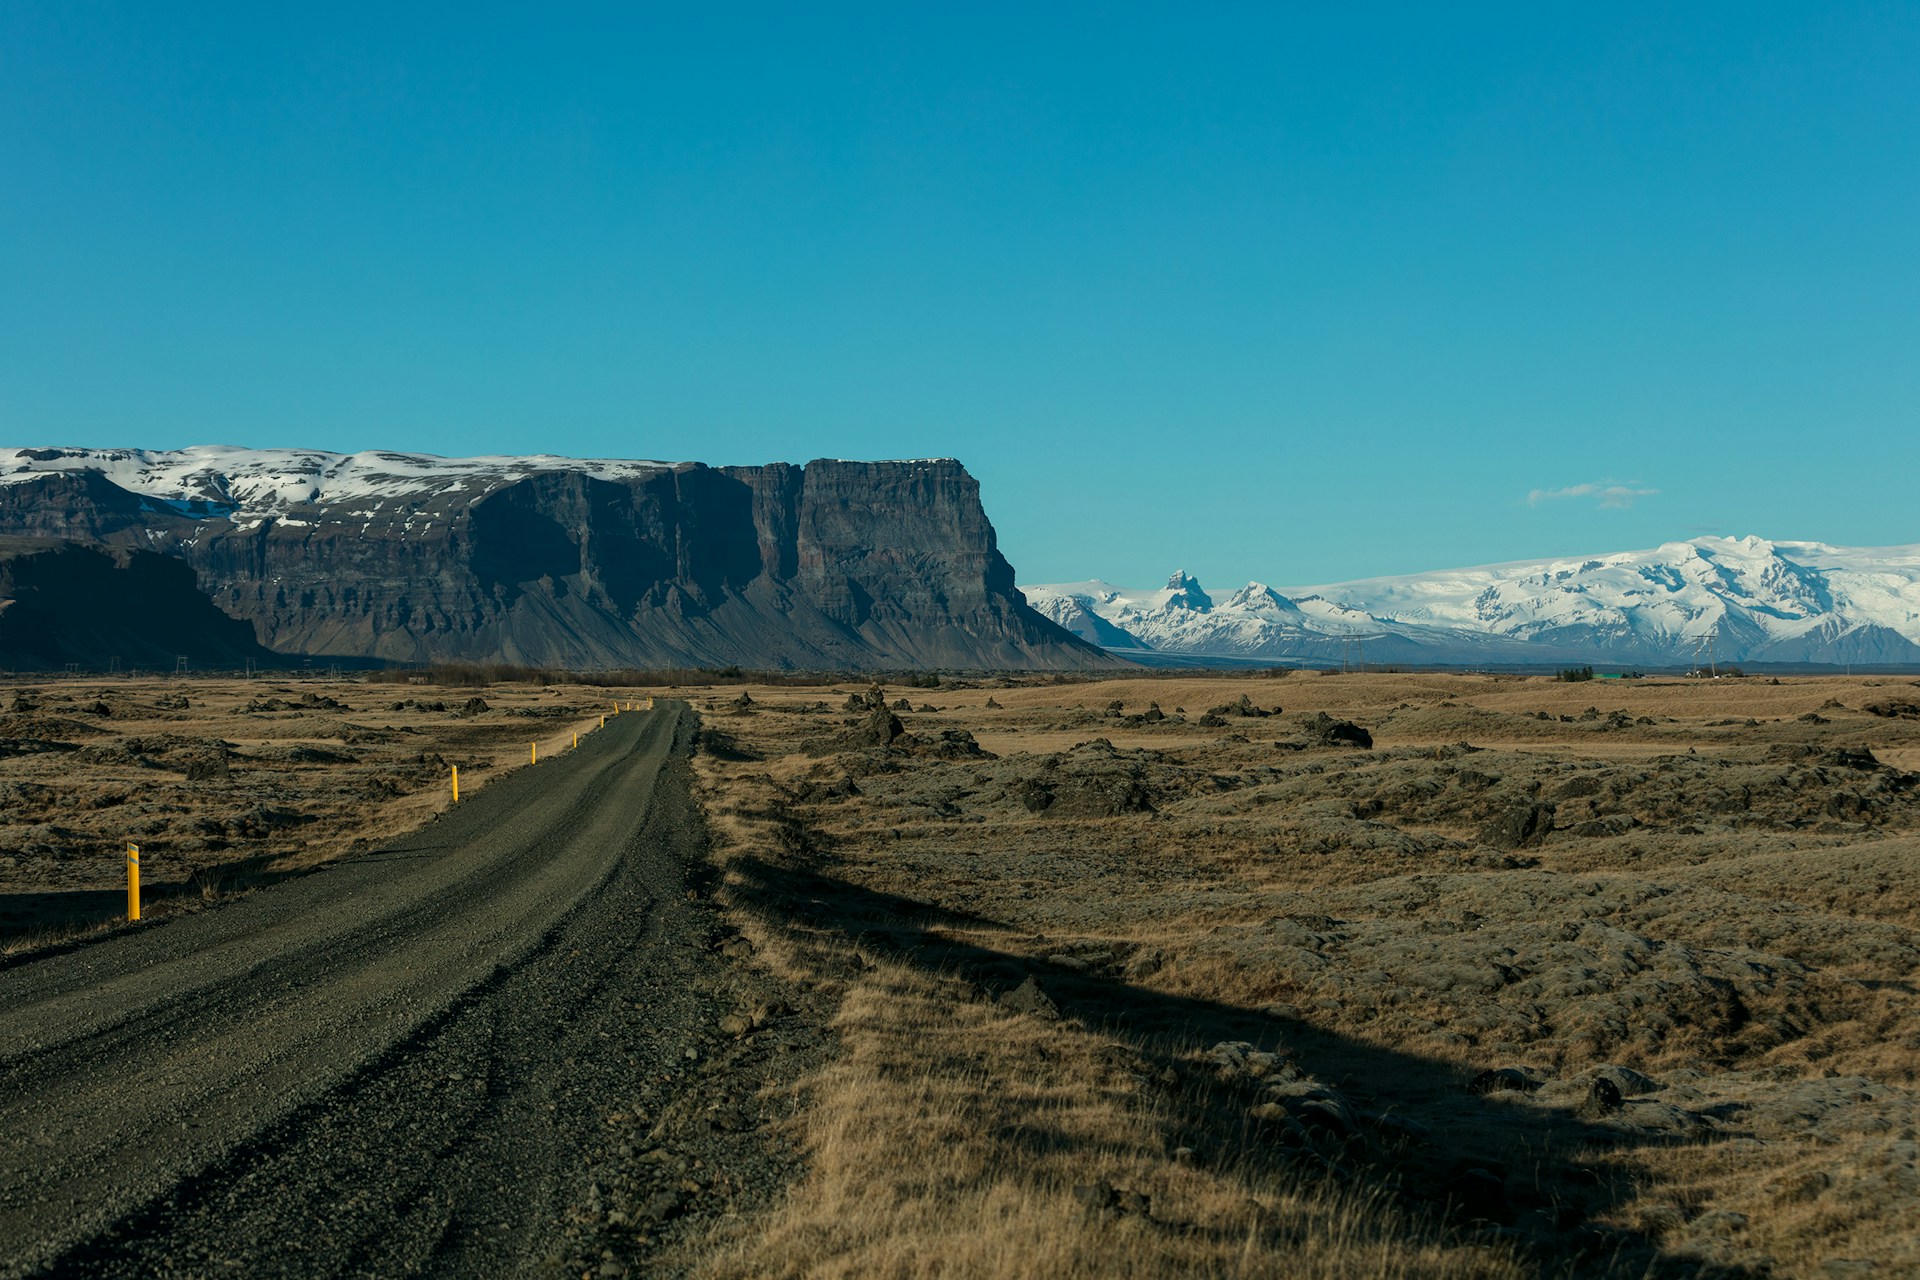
point(1612, 495)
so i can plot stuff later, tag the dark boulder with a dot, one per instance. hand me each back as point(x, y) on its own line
point(878, 729)
point(1036, 796)
point(1506, 1080)
point(1323, 730)
point(841, 788)
point(1100, 795)
point(947, 744)
point(1243, 707)
point(1519, 827)
point(211, 768)
point(1603, 1099)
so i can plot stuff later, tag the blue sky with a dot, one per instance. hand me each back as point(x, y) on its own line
point(1291, 292)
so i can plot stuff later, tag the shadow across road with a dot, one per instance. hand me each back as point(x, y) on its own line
point(52, 912)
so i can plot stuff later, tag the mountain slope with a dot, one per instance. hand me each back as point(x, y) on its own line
point(1754, 600)
point(64, 602)
point(555, 561)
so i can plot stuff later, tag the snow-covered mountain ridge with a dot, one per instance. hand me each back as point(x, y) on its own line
point(1756, 600)
point(254, 483)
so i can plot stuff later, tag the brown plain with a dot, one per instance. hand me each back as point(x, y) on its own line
point(1606, 978)
point(1320, 1011)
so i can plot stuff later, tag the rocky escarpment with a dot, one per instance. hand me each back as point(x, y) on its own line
point(64, 602)
point(830, 565)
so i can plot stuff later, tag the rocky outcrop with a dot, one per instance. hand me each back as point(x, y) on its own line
point(832, 565)
point(63, 602)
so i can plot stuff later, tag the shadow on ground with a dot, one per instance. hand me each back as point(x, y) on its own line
point(51, 913)
point(1489, 1167)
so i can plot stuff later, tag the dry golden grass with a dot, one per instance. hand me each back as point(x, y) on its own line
point(306, 783)
point(1756, 953)
point(952, 1138)
point(948, 1138)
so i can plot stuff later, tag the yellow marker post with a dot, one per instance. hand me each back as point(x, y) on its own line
point(456, 784)
point(133, 882)
point(576, 742)
point(603, 722)
point(533, 753)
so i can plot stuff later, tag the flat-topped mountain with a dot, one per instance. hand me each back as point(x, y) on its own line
point(1738, 599)
point(562, 562)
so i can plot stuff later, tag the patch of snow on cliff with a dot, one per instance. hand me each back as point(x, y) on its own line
point(250, 482)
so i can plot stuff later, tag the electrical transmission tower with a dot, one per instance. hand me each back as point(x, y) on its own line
point(1707, 644)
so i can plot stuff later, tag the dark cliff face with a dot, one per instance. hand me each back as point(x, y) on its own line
point(64, 602)
point(831, 565)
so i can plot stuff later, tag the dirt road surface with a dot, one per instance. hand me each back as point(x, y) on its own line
point(392, 1066)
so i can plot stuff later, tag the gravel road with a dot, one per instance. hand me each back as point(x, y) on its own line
point(397, 1065)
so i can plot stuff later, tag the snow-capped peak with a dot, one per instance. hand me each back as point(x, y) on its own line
point(1760, 599)
point(1184, 592)
point(1258, 597)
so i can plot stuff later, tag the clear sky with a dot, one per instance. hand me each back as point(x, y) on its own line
point(1295, 292)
